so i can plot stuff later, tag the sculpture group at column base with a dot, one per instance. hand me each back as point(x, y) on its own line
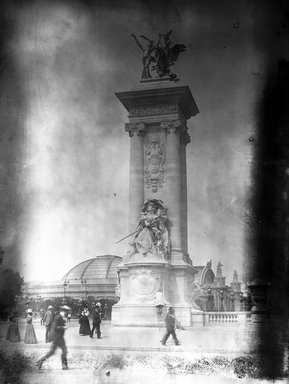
point(144, 258)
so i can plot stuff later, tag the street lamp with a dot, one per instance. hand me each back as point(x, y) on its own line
point(232, 297)
point(221, 295)
point(37, 301)
point(242, 299)
point(83, 282)
point(65, 284)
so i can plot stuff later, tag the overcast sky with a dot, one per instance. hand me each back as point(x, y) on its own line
point(64, 152)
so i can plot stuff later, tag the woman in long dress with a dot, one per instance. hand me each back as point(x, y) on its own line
point(30, 336)
point(13, 333)
point(84, 328)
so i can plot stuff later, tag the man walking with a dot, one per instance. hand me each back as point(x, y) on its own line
point(47, 320)
point(57, 334)
point(96, 320)
point(170, 326)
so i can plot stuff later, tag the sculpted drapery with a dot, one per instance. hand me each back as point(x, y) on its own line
point(152, 235)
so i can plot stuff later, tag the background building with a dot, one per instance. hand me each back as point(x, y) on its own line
point(92, 280)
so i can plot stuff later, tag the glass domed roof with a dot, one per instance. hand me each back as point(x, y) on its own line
point(100, 267)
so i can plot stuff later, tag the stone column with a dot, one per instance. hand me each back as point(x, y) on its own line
point(136, 174)
point(173, 186)
point(185, 139)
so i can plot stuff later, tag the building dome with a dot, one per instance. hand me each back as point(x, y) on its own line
point(99, 268)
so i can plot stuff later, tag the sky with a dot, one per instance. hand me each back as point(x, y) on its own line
point(64, 152)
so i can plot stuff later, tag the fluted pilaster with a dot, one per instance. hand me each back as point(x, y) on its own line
point(136, 178)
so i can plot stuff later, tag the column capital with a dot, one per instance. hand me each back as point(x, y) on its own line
point(133, 128)
point(175, 125)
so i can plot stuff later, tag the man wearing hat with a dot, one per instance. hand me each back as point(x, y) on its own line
point(57, 334)
point(170, 322)
point(47, 320)
point(96, 320)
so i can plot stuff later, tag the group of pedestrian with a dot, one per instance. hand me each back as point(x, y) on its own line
point(56, 326)
point(84, 328)
point(13, 333)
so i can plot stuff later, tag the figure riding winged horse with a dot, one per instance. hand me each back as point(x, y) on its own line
point(163, 54)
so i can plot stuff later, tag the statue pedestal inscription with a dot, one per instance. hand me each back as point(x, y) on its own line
point(157, 259)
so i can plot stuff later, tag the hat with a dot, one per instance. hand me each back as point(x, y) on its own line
point(50, 307)
point(65, 308)
point(98, 304)
point(29, 310)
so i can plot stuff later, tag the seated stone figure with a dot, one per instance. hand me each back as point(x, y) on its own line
point(152, 236)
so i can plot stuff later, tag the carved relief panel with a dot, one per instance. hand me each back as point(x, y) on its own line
point(144, 285)
point(155, 156)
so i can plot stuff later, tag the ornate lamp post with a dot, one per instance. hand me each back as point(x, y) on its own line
point(242, 299)
point(232, 299)
point(37, 301)
point(83, 282)
point(210, 300)
point(221, 296)
point(65, 284)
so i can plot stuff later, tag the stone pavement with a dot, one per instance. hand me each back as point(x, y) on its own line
point(231, 339)
point(85, 355)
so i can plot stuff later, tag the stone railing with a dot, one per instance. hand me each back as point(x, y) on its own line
point(220, 318)
point(226, 317)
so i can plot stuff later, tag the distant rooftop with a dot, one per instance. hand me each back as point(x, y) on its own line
point(100, 267)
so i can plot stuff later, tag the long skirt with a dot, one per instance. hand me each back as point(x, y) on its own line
point(30, 336)
point(84, 328)
point(13, 333)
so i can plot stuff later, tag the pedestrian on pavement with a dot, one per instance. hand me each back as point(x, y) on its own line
point(13, 333)
point(96, 320)
point(48, 320)
point(170, 321)
point(30, 336)
point(105, 316)
point(98, 304)
point(84, 328)
point(42, 314)
point(57, 334)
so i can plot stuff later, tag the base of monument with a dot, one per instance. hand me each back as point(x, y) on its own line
point(141, 315)
point(137, 315)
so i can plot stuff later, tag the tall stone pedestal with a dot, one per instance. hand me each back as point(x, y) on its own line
point(158, 137)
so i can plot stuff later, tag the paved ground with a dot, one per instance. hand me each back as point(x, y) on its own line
point(85, 354)
point(217, 339)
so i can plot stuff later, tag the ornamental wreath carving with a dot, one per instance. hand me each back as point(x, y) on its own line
point(155, 156)
point(144, 285)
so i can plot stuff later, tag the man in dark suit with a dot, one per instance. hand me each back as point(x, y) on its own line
point(170, 326)
point(47, 321)
point(57, 335)
point(96, 320)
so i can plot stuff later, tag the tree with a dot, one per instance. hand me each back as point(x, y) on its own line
point(10, 287)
